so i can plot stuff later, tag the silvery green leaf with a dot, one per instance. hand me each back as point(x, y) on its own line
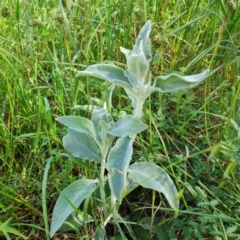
point(143, 42)
point(71, 196)
point(138, 66)
point(81, 145)
point(132, 96)
point(78, 124)
point(97, 115)
point(117, 164)
point(74, 221)
point(132, 79)
point(125, 51)
point(174, 82)
point(127, 125)
point(156, 59)
point(105, 138)
point(150, 175)
point(102, 121)
point(109, 73)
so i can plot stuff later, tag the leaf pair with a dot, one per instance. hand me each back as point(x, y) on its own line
point(148, 175)
point(89, 139)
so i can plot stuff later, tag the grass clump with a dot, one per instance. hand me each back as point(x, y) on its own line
point(196, 131)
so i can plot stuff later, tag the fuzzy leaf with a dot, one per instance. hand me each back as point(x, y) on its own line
point(75, 193)
point(150, 175)
point(97, 116)
point(78, 124)
point(117, 165)
point(127, 125)
point(138, 66)
point(143, 42)
point(109, 73)
point(174, 82)
point(81, 145)
point(102, 121)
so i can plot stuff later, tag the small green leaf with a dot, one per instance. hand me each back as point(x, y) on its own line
point(174, 82)
point(127, 125)
point(75, 193)
point(229, 170)
point(78, 124)
point(117, 165)
point(150, 175)
point(81, 145)
point(156, 59)
point(109, 73)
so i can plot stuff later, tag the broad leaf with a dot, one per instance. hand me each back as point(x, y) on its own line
point(138, 66)
point(78, 124)
point(75, 193)
point(117, 165)
point(81, 145)
point(174, 82)
point(128, 125)
point(150, 175)
point(109, 73)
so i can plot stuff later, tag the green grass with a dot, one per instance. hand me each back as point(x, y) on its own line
point(44, 43)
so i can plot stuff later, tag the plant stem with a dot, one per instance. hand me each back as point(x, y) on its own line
point(102, 191)
point(138, 110)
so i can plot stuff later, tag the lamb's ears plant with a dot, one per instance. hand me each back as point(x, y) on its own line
point(92, 139)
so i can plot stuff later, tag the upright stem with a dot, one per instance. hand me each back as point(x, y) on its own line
point(140, 101)
point(102, 190)
point(138, 110)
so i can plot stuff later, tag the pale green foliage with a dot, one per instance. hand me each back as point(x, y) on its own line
point(117, 164)
point(127, 125)
point(154, 177)
point(71, 197)
point(93, 139)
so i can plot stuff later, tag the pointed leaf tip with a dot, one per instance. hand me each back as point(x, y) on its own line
point(107, 72)
point(128, 125)
point(150, 175)
point(174, 82)
point(74, 193)
point(78, 124)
